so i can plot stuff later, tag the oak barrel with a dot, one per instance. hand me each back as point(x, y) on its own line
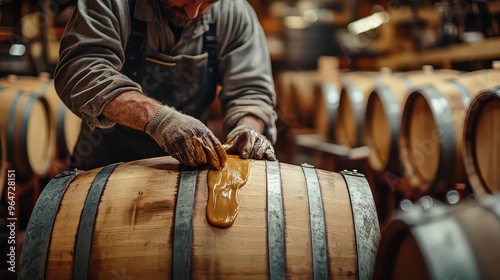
point(151, 223)
point(355, 88)
point(443, 242)
point(383, 114)
point(29, 135)
point(299, 97)
point(67, 124)
point(326, 108)
point(482, 140)
point(431, 138)
point(327, 96)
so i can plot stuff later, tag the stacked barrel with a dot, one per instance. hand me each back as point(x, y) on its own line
point(36, 128)
point(383, 114)
point(431, 141)
point(414, 125)
point(309, 99)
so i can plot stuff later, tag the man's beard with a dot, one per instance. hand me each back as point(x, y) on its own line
point(175, 15)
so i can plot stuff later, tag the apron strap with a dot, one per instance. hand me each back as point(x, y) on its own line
point(133, 53)
point(210, 46)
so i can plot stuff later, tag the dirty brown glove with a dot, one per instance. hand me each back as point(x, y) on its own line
point(186, 139)
point(249, 143)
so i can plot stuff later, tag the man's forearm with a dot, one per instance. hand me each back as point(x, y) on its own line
point(253, 122)
point(131, 109)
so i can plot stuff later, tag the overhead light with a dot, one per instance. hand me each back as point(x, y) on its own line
point(17, 50)
point(311, 16)
point(368, 23)
point(295, 22)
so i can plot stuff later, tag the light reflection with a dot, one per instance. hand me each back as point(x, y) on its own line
point(17, 50)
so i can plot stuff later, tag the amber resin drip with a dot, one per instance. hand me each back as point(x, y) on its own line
point(223, 186)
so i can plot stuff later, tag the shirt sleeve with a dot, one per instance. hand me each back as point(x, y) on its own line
point(87, 76)
point(245, 68)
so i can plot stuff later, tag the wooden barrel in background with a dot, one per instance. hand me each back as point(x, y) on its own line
point(383, 114)
point(356, 86)
point(444, 242)
point(138, 228)
point(326, 108)
point(482, 140)
point(29, 134)
point(298, 94)
point(431, 138)
point(299, 104)
point(67, 124)
point(327, 97)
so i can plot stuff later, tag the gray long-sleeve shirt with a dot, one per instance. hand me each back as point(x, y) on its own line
point(93, 47)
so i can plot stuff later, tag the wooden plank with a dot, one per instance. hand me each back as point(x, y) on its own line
point(486, 49)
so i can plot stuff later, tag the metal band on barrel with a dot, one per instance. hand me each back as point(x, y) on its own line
point(275, 222)
point(317, 217)
point(332, 99)
point(39, 231)
point(184, 224)
point(463, 92)
point(11, 129)
point(388, 97)
point(365, 222)
point(87, 222)
point(357, 102)
point(443, 117)
point(23, 135)
point(453, 259)
point(492, 203)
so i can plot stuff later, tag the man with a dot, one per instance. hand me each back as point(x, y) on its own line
point(142, 83)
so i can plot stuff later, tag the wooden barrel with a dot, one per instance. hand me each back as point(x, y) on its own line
point(66, 123)
point(151, 223)
point(482, 139)
point(356, 86)
point(431, 138)
point(327, 97)
point(30, 137)
point(383, 114)
point(326, 108)
point(300, 105)
point(454, 242)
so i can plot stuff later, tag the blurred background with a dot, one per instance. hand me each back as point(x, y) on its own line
point(381, 87)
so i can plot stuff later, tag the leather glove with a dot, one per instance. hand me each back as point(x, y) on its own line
point(186, 139)
point(249, 143)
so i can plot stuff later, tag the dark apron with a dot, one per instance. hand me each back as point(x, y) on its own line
point(187, 83)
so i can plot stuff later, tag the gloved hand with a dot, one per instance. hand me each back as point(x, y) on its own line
point(249, 143)
point(186, 139)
